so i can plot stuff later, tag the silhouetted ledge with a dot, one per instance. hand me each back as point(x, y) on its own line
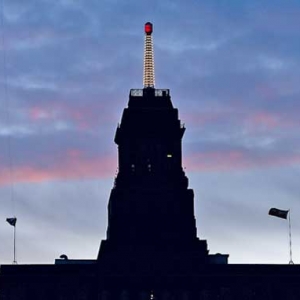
point(74, 261)
point(86, 281)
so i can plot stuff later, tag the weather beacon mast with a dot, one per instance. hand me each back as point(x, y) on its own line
point(149, 79)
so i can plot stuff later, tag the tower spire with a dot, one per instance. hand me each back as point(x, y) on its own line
point(149, 79)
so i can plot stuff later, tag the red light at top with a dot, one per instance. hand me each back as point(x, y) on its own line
point(148, 28)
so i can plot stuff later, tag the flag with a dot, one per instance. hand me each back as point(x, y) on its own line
point(12, 221)
point(278, 213)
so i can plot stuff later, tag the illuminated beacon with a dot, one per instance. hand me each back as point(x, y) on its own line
point(149, 79)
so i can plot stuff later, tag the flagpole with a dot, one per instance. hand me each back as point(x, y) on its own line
point(15, 262)
point(290, 238)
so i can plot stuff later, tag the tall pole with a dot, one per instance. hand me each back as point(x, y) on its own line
point(283, 214)
point(13, 222)
point(149, 78)
point(290, 238)
point(15, 262)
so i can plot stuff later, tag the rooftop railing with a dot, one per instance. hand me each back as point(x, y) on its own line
point(158, 92)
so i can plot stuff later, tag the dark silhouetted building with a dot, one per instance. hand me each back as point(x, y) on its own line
point(151, 250)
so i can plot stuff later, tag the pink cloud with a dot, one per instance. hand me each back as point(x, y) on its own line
point(267, 92)
point(202, 118)
point(216, 161)
point(251, 120)
point(74, 153)
point(83, 116)
point(270, 121)
point(32, 37)
point(73, 165)
point(37, 113)
point(236, 160)
point(264, 119)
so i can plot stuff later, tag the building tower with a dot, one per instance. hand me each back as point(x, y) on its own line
point(151, 209)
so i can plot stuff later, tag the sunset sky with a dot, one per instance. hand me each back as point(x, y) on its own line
point(66, 69)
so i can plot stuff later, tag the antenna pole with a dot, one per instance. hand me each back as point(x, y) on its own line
point(148, 79)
